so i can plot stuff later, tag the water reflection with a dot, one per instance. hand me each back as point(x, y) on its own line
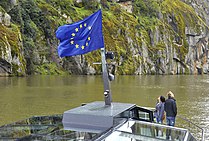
point(41, 128)
point(24, 97)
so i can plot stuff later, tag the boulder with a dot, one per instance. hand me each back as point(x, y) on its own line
point(7, 19)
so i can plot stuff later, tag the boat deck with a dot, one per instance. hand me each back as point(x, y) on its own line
point(51, 128)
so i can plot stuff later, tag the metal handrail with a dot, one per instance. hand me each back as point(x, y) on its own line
point(207, 129)
point(202, 129)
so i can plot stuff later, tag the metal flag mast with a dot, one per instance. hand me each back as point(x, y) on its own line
point(105, 76)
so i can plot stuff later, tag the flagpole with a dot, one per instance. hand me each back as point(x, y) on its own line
point(107, 92)
point(105, 76)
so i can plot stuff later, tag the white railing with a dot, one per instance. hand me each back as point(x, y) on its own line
point(195, 125)
point(203, 130)
point(207, 131)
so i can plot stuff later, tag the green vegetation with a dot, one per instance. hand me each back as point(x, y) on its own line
point(49, 69)
point(154, 25)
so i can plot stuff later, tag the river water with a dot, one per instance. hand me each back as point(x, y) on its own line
point(24, 97)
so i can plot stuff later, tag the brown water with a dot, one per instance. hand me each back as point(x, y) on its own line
point(24, 97)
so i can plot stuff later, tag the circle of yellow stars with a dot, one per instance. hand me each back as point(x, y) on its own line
point(72, 42)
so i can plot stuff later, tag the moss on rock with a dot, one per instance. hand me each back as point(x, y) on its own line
point(154, 26)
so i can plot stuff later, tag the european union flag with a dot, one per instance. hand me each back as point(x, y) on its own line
point(81, 37)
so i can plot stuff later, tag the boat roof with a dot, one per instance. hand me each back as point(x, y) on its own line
point(95, 117)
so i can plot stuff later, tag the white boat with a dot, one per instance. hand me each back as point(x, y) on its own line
point(95, 121)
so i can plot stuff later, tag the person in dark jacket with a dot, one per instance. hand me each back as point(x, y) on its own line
point(171, 111)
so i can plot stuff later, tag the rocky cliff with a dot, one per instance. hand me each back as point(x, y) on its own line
point(147, 36)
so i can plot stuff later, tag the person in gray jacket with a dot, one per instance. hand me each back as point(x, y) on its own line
point(159, 110)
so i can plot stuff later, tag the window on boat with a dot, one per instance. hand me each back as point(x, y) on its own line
point(144, 131)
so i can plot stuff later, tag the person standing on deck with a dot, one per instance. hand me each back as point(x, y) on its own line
point(159, 109)
point(171, 111)
point(159, 114)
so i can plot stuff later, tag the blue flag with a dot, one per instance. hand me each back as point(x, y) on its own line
point(81, 37)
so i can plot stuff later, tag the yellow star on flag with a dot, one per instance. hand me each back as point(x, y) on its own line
point(72, 42)
point(89, 38)
point(82, 47)
point(89, 27)
point(87, 44)
point(76, 45)
point(73, 34)
point(76, 30)
point(84, 24)
point(81, 26)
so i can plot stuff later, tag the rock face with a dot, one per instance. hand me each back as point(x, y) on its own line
point(199, 43)
point(12, 61)
point(127, 5)
point(7, 19)
point(5, 68)
point(149, 37)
